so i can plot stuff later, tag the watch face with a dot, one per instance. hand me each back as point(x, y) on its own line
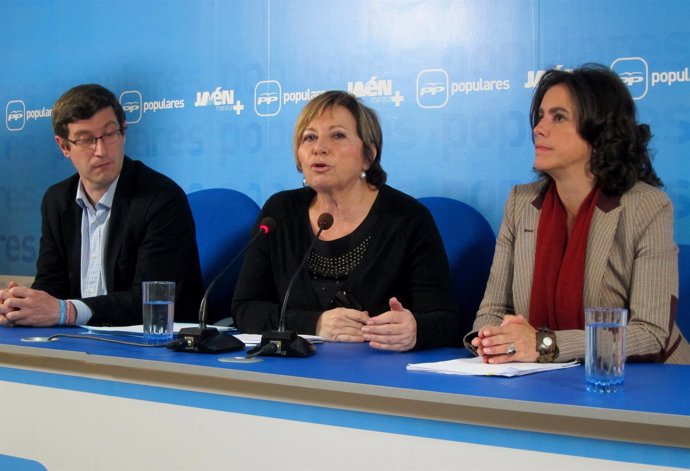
point(547, 341)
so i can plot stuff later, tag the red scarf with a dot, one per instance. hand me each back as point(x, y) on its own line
point(559, 264)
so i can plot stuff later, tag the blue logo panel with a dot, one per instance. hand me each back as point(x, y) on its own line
point(15, 115)
point(267, 97)
point(432, 88)
point(634, 72)
point(212, 104)
point(133, 104)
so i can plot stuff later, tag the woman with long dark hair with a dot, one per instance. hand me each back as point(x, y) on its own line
point(594, 231)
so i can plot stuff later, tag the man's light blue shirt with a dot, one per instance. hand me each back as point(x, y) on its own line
point(94, 235)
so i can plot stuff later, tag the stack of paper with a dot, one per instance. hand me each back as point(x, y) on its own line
point(477, 367)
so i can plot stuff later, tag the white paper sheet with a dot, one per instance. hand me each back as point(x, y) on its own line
point(255, 339)
point(477, 367)
point(139, 329)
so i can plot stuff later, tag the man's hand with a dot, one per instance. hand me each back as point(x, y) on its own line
point(28, 307)
point(4, 295)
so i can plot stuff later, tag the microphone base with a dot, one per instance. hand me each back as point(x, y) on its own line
point(207, 340)
point(287, 343)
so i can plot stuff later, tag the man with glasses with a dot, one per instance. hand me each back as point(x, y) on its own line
point(106, 229)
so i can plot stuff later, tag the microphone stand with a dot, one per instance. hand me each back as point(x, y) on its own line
point(205, 339)
point(283, 342)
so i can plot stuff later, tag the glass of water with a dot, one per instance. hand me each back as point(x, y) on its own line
point(158, 299)
point(605, 348)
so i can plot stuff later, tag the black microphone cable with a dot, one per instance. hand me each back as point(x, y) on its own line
point(174, 343)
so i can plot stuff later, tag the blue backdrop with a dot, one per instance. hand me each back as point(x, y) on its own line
point(212, 89)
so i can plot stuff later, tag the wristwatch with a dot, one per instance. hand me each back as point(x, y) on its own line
point(546, 345)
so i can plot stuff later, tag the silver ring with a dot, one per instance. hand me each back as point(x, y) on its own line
point(512, 350)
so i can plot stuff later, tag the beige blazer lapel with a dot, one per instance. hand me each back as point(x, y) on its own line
point(525, 251)
point(601, 234)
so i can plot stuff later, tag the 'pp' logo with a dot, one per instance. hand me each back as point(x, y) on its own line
point(267, 95)
point(634, 72)
point(132, 103)
point(15, 115)
point(432, 88)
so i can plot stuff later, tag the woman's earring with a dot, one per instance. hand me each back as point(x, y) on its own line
point(304, 182)
point(363, 175)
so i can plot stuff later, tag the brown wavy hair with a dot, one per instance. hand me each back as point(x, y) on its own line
point(607, 120)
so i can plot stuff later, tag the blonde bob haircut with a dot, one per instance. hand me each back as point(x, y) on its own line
point(368, 129)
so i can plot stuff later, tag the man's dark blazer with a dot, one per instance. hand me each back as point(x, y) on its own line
point(151, 237)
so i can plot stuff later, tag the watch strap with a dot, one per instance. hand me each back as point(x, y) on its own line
point(547, 353)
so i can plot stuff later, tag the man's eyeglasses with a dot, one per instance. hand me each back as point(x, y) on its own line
point(108, 138)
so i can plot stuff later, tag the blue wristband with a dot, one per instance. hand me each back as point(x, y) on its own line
point(63, 312)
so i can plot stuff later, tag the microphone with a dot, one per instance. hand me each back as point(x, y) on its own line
point(204, 339)
point(283, 342)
